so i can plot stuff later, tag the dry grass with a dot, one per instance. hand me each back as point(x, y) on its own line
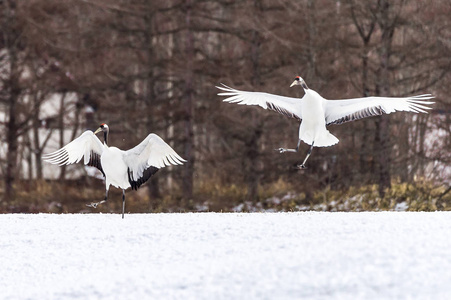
point(72, 197)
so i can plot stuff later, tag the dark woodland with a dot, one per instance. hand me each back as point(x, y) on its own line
point(153, 66)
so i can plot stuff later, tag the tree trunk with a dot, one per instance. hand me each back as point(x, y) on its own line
point(364, 146)
point(365, 31)
point(13, 146)
point(251, 144)
point(154, 190)
point(37, 142)
point(188, 105)
point(28, 153)
point(61, 132)
point(13, 91)
point(312, 34)
point(384, 154)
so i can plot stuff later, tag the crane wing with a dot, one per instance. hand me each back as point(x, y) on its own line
point(287, 106)
point(86, 145)
point(341, 111)
point(147, 158)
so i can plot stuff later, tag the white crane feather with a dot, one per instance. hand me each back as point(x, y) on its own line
point(83, 146)
point(315, 112)
point(122, 169)
point(285, 105)
point(340, 111)
point(152, 151)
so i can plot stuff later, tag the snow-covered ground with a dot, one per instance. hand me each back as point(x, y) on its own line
point(308, 255)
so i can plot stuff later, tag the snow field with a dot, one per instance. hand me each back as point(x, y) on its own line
point(306, 255)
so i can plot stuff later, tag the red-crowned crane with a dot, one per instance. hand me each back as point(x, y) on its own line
point(122, 169)
point(315, 112)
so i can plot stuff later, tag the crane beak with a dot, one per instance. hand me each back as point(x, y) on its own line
point(98, 130)
point(294, 83)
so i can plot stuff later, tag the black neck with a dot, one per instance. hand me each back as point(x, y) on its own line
point(105, 137)
point(304, 85)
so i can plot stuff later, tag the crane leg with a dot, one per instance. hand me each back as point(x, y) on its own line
point(282, 150)
point(305, 160)
point(123, 203)
point(95, 204)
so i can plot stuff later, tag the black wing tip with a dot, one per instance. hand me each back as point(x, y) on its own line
point(135, 184)
point(94, 161)
point(361, 114)
point(282, 111)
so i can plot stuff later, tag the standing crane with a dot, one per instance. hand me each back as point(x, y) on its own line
point(315, 112)
point(122, 169)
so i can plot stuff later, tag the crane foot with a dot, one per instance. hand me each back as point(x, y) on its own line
point(95, 204)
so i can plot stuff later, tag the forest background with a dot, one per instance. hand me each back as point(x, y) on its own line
point(152, 66)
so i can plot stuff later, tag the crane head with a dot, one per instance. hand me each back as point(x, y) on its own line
point(299, 81)
point(103, 127)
